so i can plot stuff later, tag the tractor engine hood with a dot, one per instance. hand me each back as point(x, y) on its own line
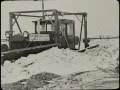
point(18, 37)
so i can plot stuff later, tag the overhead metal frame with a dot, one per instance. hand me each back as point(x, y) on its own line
point(56, 13)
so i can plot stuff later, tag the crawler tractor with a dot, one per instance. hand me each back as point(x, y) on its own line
point(54, 32)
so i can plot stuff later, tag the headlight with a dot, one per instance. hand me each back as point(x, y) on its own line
point(25, 34)
point(7, 34)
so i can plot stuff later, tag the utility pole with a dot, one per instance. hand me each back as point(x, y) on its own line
point(43, 26)
point(43, 9)
point(43, 16)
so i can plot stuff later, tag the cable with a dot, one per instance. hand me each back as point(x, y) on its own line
point(49, 18)
point(80, 35)
point(67, 41)
point(80, 31)
point(79, 20)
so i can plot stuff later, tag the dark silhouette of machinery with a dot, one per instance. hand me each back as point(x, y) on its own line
point(50, 30)
point(60, 31)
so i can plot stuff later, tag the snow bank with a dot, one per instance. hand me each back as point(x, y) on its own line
point(96, 79)
point(62, 61)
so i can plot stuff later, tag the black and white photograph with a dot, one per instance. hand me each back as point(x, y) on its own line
point(59, 44)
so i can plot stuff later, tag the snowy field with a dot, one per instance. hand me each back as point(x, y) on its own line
point(63, 62)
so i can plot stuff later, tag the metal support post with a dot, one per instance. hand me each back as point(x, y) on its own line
point(11, 28)
point(74, 34)
point(85, 31)
point(56, 25)
point(80, 33)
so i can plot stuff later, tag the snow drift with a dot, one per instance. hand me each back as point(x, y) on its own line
point(62, 61)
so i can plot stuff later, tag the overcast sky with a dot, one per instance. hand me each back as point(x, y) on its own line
point(103, 15)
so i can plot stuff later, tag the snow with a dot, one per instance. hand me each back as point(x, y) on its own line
point(62, 61)
point(95, 79)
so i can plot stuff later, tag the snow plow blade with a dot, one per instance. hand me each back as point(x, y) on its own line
point(83, 50)
point(15, 54)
